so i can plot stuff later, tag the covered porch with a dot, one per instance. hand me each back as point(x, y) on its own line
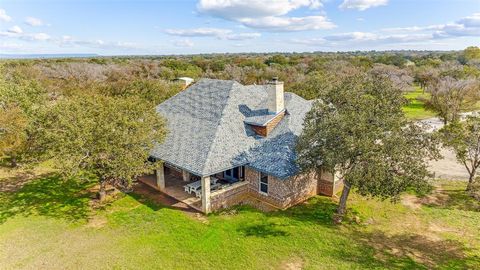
point(195, 191)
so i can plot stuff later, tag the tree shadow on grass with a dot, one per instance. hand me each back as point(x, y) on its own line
point(263, 230)
point(410, 251)
point(48, 195)
point(364, 248)
point(157, 200)
point(315, 211)
point(450, 198)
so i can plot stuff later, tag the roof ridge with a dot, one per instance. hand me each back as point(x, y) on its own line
point(220, 123)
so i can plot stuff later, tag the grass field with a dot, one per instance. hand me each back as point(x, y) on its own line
point(416, 108)
point(48, 223)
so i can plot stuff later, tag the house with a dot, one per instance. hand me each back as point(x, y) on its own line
point(185, 80)
point(230, 143)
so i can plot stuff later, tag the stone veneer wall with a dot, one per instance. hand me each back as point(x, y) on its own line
point(229, 196)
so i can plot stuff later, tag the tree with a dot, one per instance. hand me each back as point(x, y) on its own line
point(20, 98)
point(464, 139)
point(277, 59)
point(400, 78)
point(425, 76)
point(13, 132)
point(359, 132)
point(109, 137)
point(450, 96)
point(470, 53)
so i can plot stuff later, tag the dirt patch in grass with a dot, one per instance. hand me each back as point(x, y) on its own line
point(418, 248)
point(294, 263)
point(97, 222)
point(14, 183)
point(411, 201)
point(438, 197)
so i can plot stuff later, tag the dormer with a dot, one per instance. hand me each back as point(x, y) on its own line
point(264, 123)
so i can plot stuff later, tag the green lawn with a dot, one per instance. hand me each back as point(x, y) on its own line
point(49, 223)
point(416, 108)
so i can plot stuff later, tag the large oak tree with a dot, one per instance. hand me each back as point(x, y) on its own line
point(107, 136)
point(359, 131)
point(20, 99)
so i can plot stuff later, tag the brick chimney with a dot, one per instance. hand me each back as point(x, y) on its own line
point(275, 103)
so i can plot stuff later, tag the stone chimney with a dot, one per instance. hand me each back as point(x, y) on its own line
point(275, 101)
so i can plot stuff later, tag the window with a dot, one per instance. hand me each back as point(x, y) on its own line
point(233, 175)
point(264, 183)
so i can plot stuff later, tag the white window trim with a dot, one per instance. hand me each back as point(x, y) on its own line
point(260, 184)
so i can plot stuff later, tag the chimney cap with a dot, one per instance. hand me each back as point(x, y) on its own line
point(275, 81)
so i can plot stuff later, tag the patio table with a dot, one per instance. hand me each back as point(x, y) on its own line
point(198, 193)
point(193, 187)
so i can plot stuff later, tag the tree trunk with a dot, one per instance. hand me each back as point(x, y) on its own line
point(102, 193)
point(342, 206)
point(471, 178)
point(13, 162)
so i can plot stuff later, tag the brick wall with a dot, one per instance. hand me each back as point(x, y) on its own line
point(265, 130)
point(282, 193)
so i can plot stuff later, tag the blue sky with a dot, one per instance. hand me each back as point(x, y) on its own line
point(111, 27)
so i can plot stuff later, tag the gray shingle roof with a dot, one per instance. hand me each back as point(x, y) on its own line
point(207, 133)
point(260, 118)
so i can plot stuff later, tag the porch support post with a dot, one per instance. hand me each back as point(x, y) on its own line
point(161, 177)
point(185, 176)
point(206, 194)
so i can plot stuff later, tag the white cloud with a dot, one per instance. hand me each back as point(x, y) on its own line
point(412, 28)
point(15, 29)
point(67, 41)
point(268, 15)
point(431, 34)
point(10, 46)
point(14, 33)
point(32, 21)
point(212, 32)
point(3, 16)
point(242, 36)
point(353, 36)
point(198, 32)
point(310, 41)
point(280, 24)
point(184, 43)
point(237, 9)
point(35, 37)
point(362, 4)
point(468, 26)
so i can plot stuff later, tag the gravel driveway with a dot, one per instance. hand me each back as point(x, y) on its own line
point(448, 167)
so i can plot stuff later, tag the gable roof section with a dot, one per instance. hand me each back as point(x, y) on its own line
point(207, 133)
